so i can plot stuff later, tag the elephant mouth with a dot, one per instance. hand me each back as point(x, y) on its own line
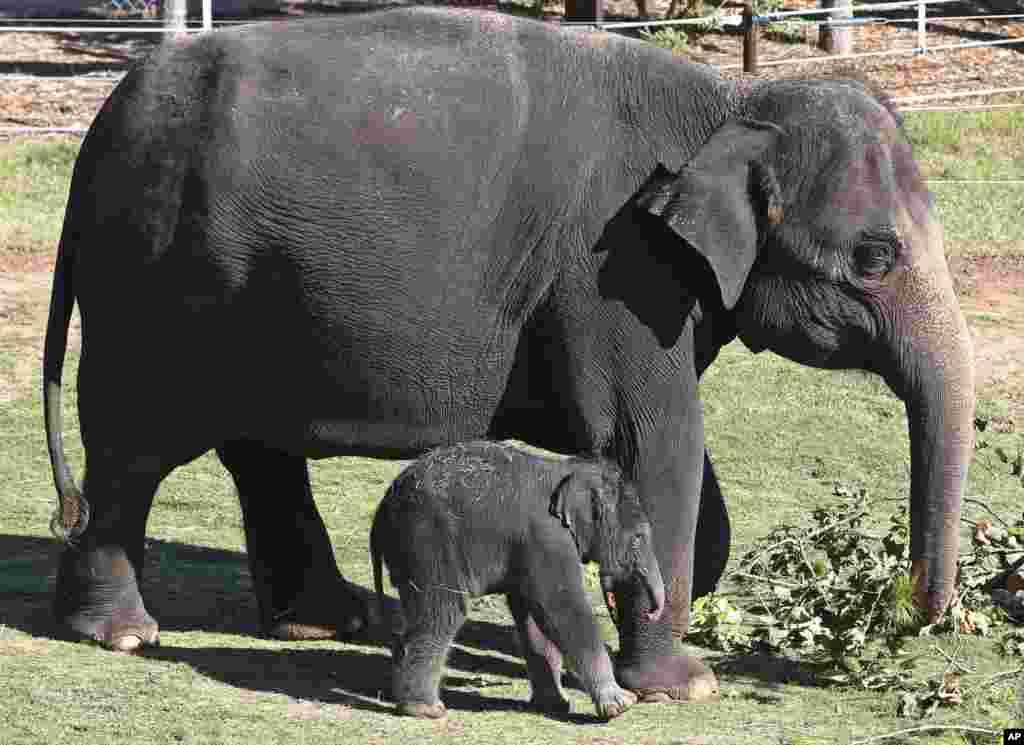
point(608, 590)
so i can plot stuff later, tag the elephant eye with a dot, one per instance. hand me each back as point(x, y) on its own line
point(874, 255)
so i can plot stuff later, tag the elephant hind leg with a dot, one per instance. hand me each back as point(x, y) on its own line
point(300, 591)
point(543, 661)
point(97, 596)
point(432, 618)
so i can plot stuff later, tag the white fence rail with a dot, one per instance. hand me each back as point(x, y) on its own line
point(751, 22)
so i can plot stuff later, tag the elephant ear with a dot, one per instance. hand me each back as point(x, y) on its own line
point(569, 495)
point(720, 199)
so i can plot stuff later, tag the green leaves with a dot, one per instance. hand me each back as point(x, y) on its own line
point(831, 591)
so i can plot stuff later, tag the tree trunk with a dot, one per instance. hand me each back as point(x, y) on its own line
point(836, 39)
point(584, 10)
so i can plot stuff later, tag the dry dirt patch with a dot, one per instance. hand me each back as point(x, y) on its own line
point(24, 305)
point(992, 298)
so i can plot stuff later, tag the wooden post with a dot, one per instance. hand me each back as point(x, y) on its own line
point(207, 15)
point(922, 27)
point(590, 11)
point(175, 15)
point(749, 38)
point(836, 39)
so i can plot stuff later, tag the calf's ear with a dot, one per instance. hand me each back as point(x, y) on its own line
point(567, 496)
point(721, 200)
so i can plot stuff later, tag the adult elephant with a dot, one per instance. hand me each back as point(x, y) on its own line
point(382, 233)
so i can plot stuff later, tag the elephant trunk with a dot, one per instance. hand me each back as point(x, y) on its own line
point(654, 584)
point(938, 390)
point(648, 573)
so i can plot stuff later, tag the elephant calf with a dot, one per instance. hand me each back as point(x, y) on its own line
point(484, 517)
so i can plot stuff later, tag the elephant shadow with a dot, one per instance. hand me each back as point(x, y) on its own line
point(192, 588)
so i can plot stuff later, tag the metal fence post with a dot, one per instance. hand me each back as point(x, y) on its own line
point(175, 15)
point(207, 15)
point(921, 25)
point(836, 39)
point(749, 38)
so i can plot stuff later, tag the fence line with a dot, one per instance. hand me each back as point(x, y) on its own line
point(748, 20)
point(43, 130)
point(761, 19)
point(96, 30)
point(959, 94)
point(84, 78)
point(972, 107)
point(1015, 182)
point(861, 55)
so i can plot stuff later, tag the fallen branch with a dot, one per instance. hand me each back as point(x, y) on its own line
point(813, 534)
point(953, 661)
point(927, 728)
point(973, 500)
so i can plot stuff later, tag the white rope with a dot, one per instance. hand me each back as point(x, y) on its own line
point(861, 55)
point(94, 30)
point(42, 130)
point(973, 18)
point(728, 20)
point(62, 78)
point(736, 19)
point(972, 107)
point(1016, 182)
point(960, 94)
point(873, 8)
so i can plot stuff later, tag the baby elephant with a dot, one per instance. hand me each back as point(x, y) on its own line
point(485, 517)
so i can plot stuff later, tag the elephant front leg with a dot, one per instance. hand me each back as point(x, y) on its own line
point(97, 596)
point(543, 661)
point(563, 615)
point(301, 593)
point(669, 480)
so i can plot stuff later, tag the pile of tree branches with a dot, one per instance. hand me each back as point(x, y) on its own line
point(837, 594)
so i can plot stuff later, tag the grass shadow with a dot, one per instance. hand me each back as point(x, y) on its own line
point(199, 588)
point(768, 671)
point(356, 677)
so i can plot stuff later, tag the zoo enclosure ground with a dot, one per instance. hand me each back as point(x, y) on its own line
point(214, 683)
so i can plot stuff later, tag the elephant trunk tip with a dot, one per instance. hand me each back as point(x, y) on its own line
point(931, 600)
point(656, 595)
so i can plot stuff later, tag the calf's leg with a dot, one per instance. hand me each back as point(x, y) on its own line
point(543, 660)
point(433, 616)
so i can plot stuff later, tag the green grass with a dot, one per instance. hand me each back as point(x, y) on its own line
point(780, 435)
point(34, 180)
point(980, 219)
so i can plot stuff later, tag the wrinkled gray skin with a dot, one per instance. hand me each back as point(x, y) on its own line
point(481, 518)
point(383, 233)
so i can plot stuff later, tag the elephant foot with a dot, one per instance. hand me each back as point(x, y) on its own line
point(422, 711)
point(328, 611)
point(669, 678)
point(613, 701)
point(550, 704)
point(122, 631)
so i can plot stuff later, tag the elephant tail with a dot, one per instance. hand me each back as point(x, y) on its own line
point(72, 514)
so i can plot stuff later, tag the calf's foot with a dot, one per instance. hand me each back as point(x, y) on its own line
point(612, 701)
point(422, 710)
